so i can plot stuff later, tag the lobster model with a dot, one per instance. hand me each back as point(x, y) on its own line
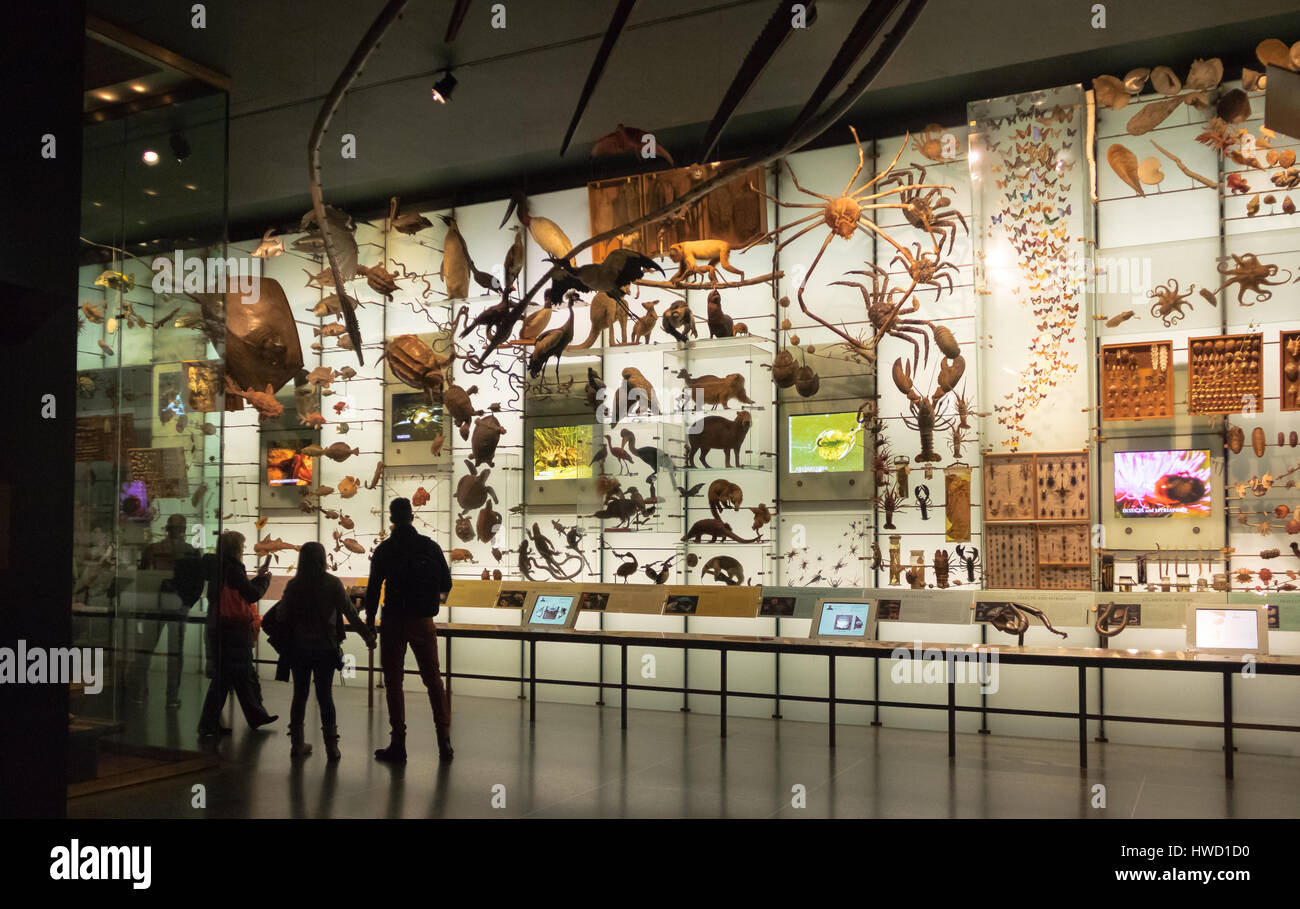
point(968, 555)
point(924, 418)
point(1013, 618)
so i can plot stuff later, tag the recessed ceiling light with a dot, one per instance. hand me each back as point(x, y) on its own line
point(97, 204)
point(151, 192)
point(190, 186)
point(137, 87)
point(149, 157)
point(106, 96)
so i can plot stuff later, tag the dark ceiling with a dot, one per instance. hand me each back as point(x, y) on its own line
point(519, 85)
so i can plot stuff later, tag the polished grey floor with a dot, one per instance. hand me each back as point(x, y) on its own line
point(576, 762)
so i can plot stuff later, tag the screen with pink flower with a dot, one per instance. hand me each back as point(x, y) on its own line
point(1161, 484)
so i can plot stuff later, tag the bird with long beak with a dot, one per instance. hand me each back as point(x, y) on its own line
point(410, 223)
point(514, 258)
point(551, 345)
point(545, 232)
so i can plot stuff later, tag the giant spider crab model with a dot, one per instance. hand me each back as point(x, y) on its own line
point(922, 206)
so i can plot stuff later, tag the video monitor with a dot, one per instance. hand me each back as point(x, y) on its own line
point(826, 443)
point(1228, 630)
point(562, 452)
point(1162, 484)
point(844, 619)
point(287, 464)
point(547, 610)
point(133, 501)
point(414, 419)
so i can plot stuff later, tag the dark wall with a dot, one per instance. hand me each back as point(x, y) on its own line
point(41, 66)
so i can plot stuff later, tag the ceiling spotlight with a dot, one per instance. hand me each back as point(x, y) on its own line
point(180, 147)
point(105, 96)
point(443, 88)
point(137, 87)
point(149, 157)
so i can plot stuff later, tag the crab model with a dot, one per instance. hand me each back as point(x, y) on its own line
point(417, 364)
point(1169, 303)
point(1248, 273)
point(844, 214)
point(926, 208)
point(926, 268)
point(887, 317)
point(930, 142)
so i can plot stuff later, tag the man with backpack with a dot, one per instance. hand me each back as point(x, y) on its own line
point(416, 579)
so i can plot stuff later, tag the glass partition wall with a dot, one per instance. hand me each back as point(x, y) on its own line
point(149, 436)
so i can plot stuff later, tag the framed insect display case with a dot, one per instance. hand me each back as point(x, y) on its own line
point(1008, 487)
point(1225, 374)
point(1289, 344)
point(1137, 381)
point(1062, 486)
point(1012, 560)
point(1023, 490)
point(1064, 557)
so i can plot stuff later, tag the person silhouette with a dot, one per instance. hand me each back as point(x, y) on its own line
point(177, 594)
point(415, 579)
point(232, 628)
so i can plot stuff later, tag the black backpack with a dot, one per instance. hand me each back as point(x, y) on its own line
point(424, 579)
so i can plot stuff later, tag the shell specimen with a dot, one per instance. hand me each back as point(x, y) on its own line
point(1124, 163)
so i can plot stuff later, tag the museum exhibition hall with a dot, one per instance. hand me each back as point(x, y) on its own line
point(842, 409)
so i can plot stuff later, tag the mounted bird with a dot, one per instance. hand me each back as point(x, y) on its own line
point(545, 232)
point(612, 276)
point(620, 454)
point(455, 269)
point(410, 223)
point(535, 323)
point(514, 258)
point(652, 456)
point(550, 345)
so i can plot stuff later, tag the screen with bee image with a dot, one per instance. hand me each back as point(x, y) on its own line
point(826, 443)
point(1161, 484)
point(562, 452)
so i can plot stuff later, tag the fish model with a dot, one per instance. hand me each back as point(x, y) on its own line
point(263, 402)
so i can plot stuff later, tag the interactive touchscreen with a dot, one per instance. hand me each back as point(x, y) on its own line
point(1161, 484)
point(287, 464)
point(414, 418)
point(826, 443)
point(1227, 629)
point(551, 610)
point(844, 619)
point(562, 453)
